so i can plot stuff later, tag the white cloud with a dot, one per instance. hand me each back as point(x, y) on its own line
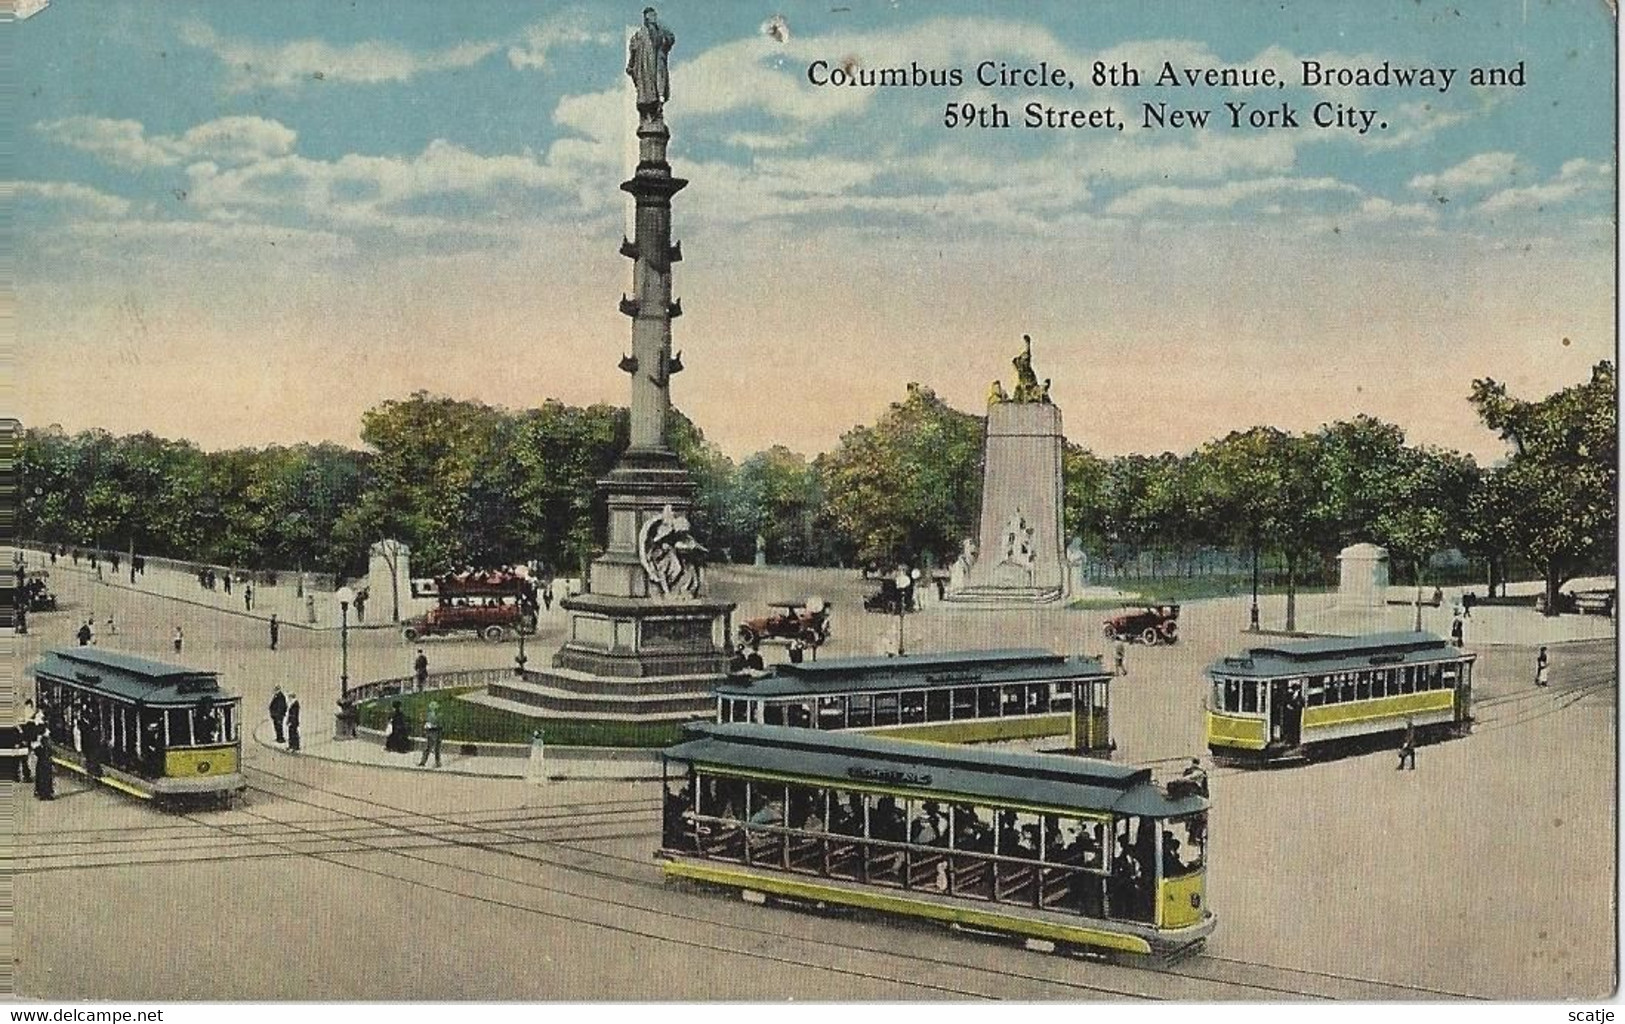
point(1477, 172)
point(126, 143)
point(1575, 178)
point(532, 49)
point(79, 198)
point(1143, 200)
point(286, 64)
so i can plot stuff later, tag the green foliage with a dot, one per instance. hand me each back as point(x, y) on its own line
point(1554, 499)
point(907, 489)
point(466, 722)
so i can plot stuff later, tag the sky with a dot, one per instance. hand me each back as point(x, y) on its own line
point(246, 223)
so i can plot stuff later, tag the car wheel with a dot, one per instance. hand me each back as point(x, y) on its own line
point(493, 633)
point(1108, 631)
point(747, 636)
point(409, 634)
point(1170, 631)
point(1149, 635)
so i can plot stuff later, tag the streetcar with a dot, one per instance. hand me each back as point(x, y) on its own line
point(1061, 852)
point(1308, 698)
point(156, 731)
point(951, 697)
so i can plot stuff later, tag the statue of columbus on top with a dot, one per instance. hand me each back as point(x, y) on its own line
point(646, 65)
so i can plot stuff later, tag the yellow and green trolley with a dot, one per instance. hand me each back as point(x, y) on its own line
point(1309, 698)
point(948, 697)
point(1059, 851)
point(152, 730)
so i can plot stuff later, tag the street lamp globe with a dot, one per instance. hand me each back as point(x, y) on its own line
point(345, 595)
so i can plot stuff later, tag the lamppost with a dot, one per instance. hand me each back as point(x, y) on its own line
point(519, 659)
point(1253, 615)
point(905, 595)
point(345, 596)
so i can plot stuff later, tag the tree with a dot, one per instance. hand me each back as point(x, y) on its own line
point(908, 487)
point(1553, 500)
point(1429, 501)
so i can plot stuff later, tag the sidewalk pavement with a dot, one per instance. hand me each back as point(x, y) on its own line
point(561, 763)
point(1488, 626)
point(282, 600)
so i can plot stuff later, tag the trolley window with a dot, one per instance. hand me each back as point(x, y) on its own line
point(1074, 842)
point(964, 702)
point(912, 703)
point(846, 813)
point(1315, 694)
point(180, 727)
point(1362, 686)
point(987, 702)
point(860, 711)
point(1061, 697)
point(885, 709)
point(1037, 698)
point(973, 828)
point(1015, 700)
point(1184, 845)
point(809, 808)
point(772, 714)
point(832, 712)
point(936, 706)
point(1249, 695)
point(928, 823)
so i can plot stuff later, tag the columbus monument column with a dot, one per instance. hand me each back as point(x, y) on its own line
point(644, 641)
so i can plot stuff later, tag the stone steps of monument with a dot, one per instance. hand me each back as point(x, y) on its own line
point(1006, 595)
point(631, 705)
point(587, 683)
point(556, 714)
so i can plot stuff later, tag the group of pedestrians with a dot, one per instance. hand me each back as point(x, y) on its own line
point(285, 718)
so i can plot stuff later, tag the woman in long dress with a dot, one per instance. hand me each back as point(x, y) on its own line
point(399, 740)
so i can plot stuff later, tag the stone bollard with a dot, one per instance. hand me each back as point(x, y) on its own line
point(536, 769)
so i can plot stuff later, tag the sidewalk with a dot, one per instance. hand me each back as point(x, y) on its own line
point(562, 763)
point(1488, 626)
point(283, 601)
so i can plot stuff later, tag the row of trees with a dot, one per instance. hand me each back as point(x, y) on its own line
point(467, 483)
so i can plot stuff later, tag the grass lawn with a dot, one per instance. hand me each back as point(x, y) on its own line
point(465, 722)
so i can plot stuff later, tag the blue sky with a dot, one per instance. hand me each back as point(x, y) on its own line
point(263, 218)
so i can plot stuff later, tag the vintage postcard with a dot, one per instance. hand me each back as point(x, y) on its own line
point(854, 501)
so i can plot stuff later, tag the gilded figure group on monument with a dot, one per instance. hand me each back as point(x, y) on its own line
point(1028, 390)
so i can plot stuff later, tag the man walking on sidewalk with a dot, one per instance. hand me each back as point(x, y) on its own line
point(420, 669)
point(431, 734)
point(276, 628)
point(279, 711)
point(293, 723)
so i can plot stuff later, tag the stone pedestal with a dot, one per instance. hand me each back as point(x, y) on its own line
point(1020, 557)
point(1362, 583)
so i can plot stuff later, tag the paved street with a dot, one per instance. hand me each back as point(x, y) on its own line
point(1488, 871)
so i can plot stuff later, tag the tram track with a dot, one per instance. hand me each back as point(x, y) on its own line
point(637, 876)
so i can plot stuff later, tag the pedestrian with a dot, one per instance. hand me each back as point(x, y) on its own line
point(29, 730)
point(226, 584)
point(44, 770)
point(293, 723)
point(361, 606)
point(177, 637)
point(1120, 666)
point(279, 711)
point(1407, 749)
point(1456, 630)
point(1467, 601)
point(248, 597)
point(90, 741)
point(1542, 672)
point(112, 630)
point(53, 557)
point(84, 634)
point(91, 622)
point(942, 589)
point(399, 740)
point(420, 669)
point(431, 734)
point(798, 650)
point(547, 595)
point(276, 627)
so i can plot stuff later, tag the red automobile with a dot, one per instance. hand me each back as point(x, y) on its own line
point(789, 620)
point(1153, 624)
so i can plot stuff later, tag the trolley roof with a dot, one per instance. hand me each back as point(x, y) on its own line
point(915, 672)
point(128, 677)
point(1338, 654)
point(865, 761)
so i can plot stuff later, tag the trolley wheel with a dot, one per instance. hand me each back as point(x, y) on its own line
point(1150, 636)
point(493, 633)
point(409, 634)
